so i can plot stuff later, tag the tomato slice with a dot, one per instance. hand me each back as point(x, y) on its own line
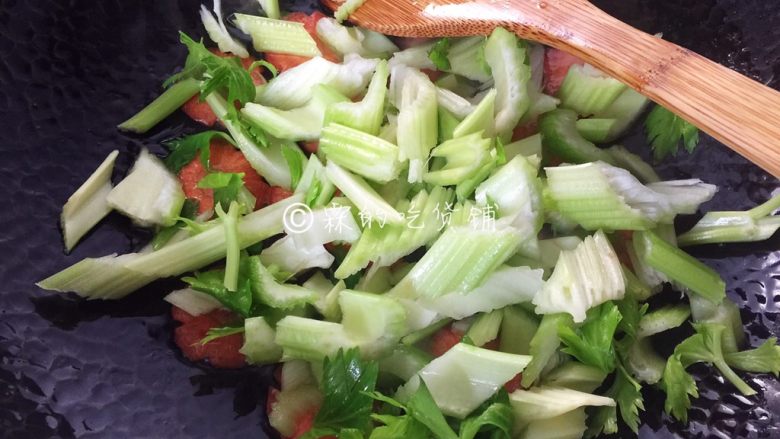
point(284, 61)
point(278, 193)
point(311, 147)
point(514, 383)
point(189, 175)
point(525, 130)
point(444, 339)
point(222, 352)
point(556, 66)
point(432, 74)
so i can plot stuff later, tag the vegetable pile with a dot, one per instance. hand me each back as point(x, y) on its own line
point(433, 242)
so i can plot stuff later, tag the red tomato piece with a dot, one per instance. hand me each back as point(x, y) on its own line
point(189, 175)
point(432, 74)
point(525, 130)
point(278, 193)
point(284, 61)
point(271, 398)
point(492, 345)
point(514, 383)
point(305, 423)
point(556, 66)
point(222, 352)
point(181, 315)
point(311, 147)
point(444, 339)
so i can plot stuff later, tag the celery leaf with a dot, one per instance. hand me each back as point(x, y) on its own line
point(627, 393)
point(212, 283)
point(763, 359)
point(495, 417)
point(184, 149)
point(215, 333)
point(591, 343)
point(226, 186)
point(678, 385)
point(296, 161)
point(438, 54)
point(665, 130)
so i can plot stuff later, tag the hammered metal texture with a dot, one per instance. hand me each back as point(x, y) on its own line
point(70, 71)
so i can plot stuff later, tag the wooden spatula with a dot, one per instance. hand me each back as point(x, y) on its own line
point(732, 108)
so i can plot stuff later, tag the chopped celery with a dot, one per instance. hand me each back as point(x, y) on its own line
point(597, 195)
point(588, 90)
point(415, 97)
point(310, 228)
point(540, 104)
point(416, 56)
point(366, 115)
point(505, 286)
point(279, 36)
point(293, 87)
point(149, 194)
point(303, 123)
point(232, 247)
point(636, 287)
point(464, 156)
point(314, 184)
point(361, 153)
point(507, 60)
point(570, 425)
point(561, 137)
point(458, 262)
point(296, 374)
point(467, 58)
point(485, 327)
point(269, 291)
point(480, 120)
point(259, 345)
point(328, 305)
point(160, 108)
point(309, 339)
point(267, 161)
point(447, 124)
point(359, 192)
point(544, 346)
point(663, 319)
point(376, 322)
point(517, 330)
point(530, 146)
point(465, 377)
point(459, 106)
point(583, 278)
point(624, 110)
point(541, 403)
point(404, 362)
point(575, 375)
point(725, 313)
point(720, 227)
point(346, 40)
point(632, 162)
point(218, 33)
point(193, 302)
point(347, 8)
point(290, 405)
point(679, 267)
point(271, 8)
point(292, 259)
point(421, 332)
point(595, 130)
point(88, 204)
point(376, 280)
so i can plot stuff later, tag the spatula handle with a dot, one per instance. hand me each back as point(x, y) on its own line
point(736, 110)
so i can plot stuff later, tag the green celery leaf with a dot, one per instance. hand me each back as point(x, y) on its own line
point(189, 210)
point(627, 393)
point(399, 427)
point(263, 63)
point(495, 416)
point(212, 283)
point(423, 408)
point(346, 379)
point(631, 311)
point(215, 333)
point(296, 161)
point(591, 343)
point(184, 149)
point(763, 359)
point(678, 385)
point(665, 130)
point(439, 52)
point(226, 186)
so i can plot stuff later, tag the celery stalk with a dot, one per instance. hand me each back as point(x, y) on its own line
point(366, 115)
point(561, 137)
point(624, 110)
point(480, 120)
point(467, 58)
point(232, 250)
point(530, 146)
point(595, 130)
point(415, 98)
point(359, 192)
point(271, 8)
point(485, 327)
point(447, 124)
point(259, 345)
point(507, 58)
point(279, 36)
point(361, 153)
point(588, 90)
point(464, 155)
point(165, 104)
point(721, 227)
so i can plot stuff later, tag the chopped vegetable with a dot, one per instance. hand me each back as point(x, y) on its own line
point(665, 130)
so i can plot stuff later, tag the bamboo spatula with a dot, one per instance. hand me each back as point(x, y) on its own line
point(740, 112)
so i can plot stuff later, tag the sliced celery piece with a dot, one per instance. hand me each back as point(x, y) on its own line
point(633, 163)
point(160, 108)
point(366, 155)
point(588, 90)
point(570, 425)
point(507, 60)
point(113, 277)
point(467, 58)
point(404, 362)
point(293, 87)
point(624, 110)
point(309, 339)
point(540, 403)
point(725, 313)
point(575, 375)
point(267, 161)
point(721, 227)
point(229, 222)
point(193, 302)
point(595, 130)
point(314, 184)
point(269, 291)
point(304, 123)
point(415, 56)
point(279, 36)
point(366, 115)
point(517, 329)
point(292, 259)
point(485, 327)
point(561, 137)
point(377, 280)
point(543, 346)
point(465, 377)
point(505, 286)
point(415, 97)
point(309, 228)
point(679, 267)
point(635, 287)
point(663, 319)
point(459, 261)
point(644, 363)
point(88, 204)
point(218, 33)
point(583, 278)
point(540, 104)
point(480, 120)
point(464, 156)
point(259, 345)
point(271, 8)
point(376, 322)
point(150, 194)
point(447, 124)
point(459, 106)
point(347, 8)
point(290, 405)
point(530, 146)
point(359, 192)
point(346, 40)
